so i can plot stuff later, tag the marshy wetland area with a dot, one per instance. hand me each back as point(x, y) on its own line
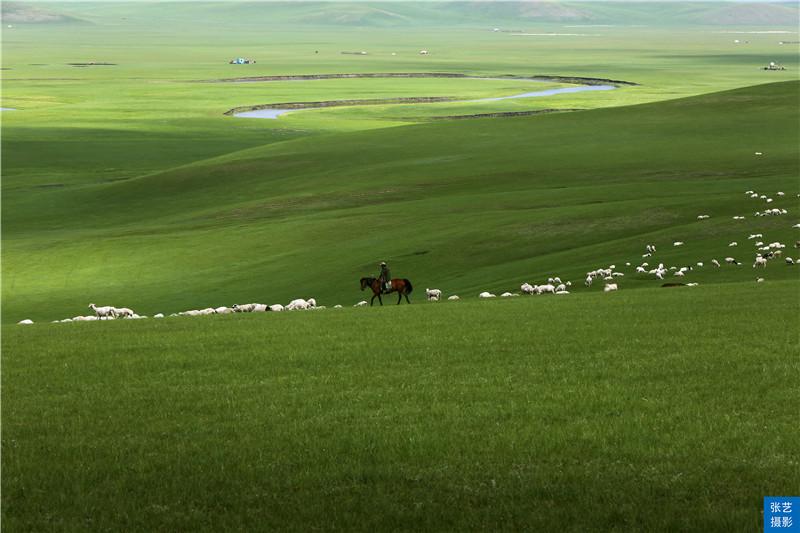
point(591, 212)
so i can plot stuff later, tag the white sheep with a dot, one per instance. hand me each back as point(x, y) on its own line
point(508, 295)
point(158, 315)
point(486, 294)
point(760, 262)
point(123, 312)
point(277, 308)
point(702, 217)
point(297, 304)
point(700, 264)
point(731, 261)
point(678, 243)
point(453, 298)
point(789, 261)
point(715, 263)
point(527, 288)
point(219, 310)
point(679, 273)
point(433, 293)
point(362, 303)
point(610, 287)
point(734, 243)
point(105, 311)
point(243, 308)
point(759, 280)
point(25, 322)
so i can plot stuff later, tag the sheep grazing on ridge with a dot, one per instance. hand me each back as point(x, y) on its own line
point(277, 308)
point(25, 322)
point(588, 281)
point(158, 315)
point(789, 261)
point(715, 263)
point(508, 295)
point(219, 310)
point(610, 287)
point(527, 288)
point(781, 193)
point(362, 303)
point(123, 312)
point(651, 248)
point(738, 218)
point(105, 311)
point(243, 308)
point(486, 294)
point(734, 243)
point(732, 261)
point(755, 236)
point(678, 243)
point(700, 263)
point(759, 280)
point(298, 304)
point(433, 294)
point(453, 298)
point(702, 217)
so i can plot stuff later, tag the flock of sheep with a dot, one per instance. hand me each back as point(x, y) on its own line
point(554, 285)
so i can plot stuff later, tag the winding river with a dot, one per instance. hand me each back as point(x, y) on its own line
point(273, 113)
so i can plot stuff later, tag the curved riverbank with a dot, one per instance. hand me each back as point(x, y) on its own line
point(578, 80)
point(273, 111)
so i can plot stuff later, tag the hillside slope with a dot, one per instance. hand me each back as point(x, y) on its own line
point(467, 205)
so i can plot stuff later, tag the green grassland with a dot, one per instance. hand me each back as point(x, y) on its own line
point(646, 409)
point(642, 410)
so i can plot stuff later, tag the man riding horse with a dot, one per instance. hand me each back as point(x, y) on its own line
point(385, 278)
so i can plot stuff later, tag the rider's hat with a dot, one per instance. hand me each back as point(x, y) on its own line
point(383, 263)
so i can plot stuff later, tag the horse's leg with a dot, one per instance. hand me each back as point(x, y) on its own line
point(372, 301)
point(380, 299)
point(406, 295)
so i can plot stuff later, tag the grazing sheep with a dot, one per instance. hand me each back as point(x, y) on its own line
point(243, 308)
point(508, 295)
point(337, 306)
point(123, 312)
point(453, 298)
point(789, 261)
point(433, 293)
point(700, 263)
point(158, 315)
point(641, 270)
point(715, 263)
point(277, 308)
point(486, 294)
point(105, 311)
point(759, 280)
point(312, 302)
point(588, 281)
point(527, 288)
point(562, 292)
point(362, 303)
point(610, 287)
point(734, 243)
point(702, 217)
point(679, 273)
point(297, 304)
point(760, 262)
point(26, 321)
point(732, 261)
point(677, 243)
point(692, 284)
point(260, 308)
point(561, 287)
point(780, 193)
point(548, 288)
point(220, 311)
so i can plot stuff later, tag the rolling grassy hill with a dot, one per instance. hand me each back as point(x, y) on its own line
point(467, 206)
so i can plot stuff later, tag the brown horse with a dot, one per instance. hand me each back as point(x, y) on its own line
point(401, 286)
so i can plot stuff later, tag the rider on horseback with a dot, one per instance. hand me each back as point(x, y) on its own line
point(385, 277)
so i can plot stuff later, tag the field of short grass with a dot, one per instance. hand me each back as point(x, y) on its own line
point(662, 409)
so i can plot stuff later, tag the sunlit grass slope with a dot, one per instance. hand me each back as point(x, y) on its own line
point(467, 206)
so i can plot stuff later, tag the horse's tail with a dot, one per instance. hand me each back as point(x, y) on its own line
point(408, 285)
